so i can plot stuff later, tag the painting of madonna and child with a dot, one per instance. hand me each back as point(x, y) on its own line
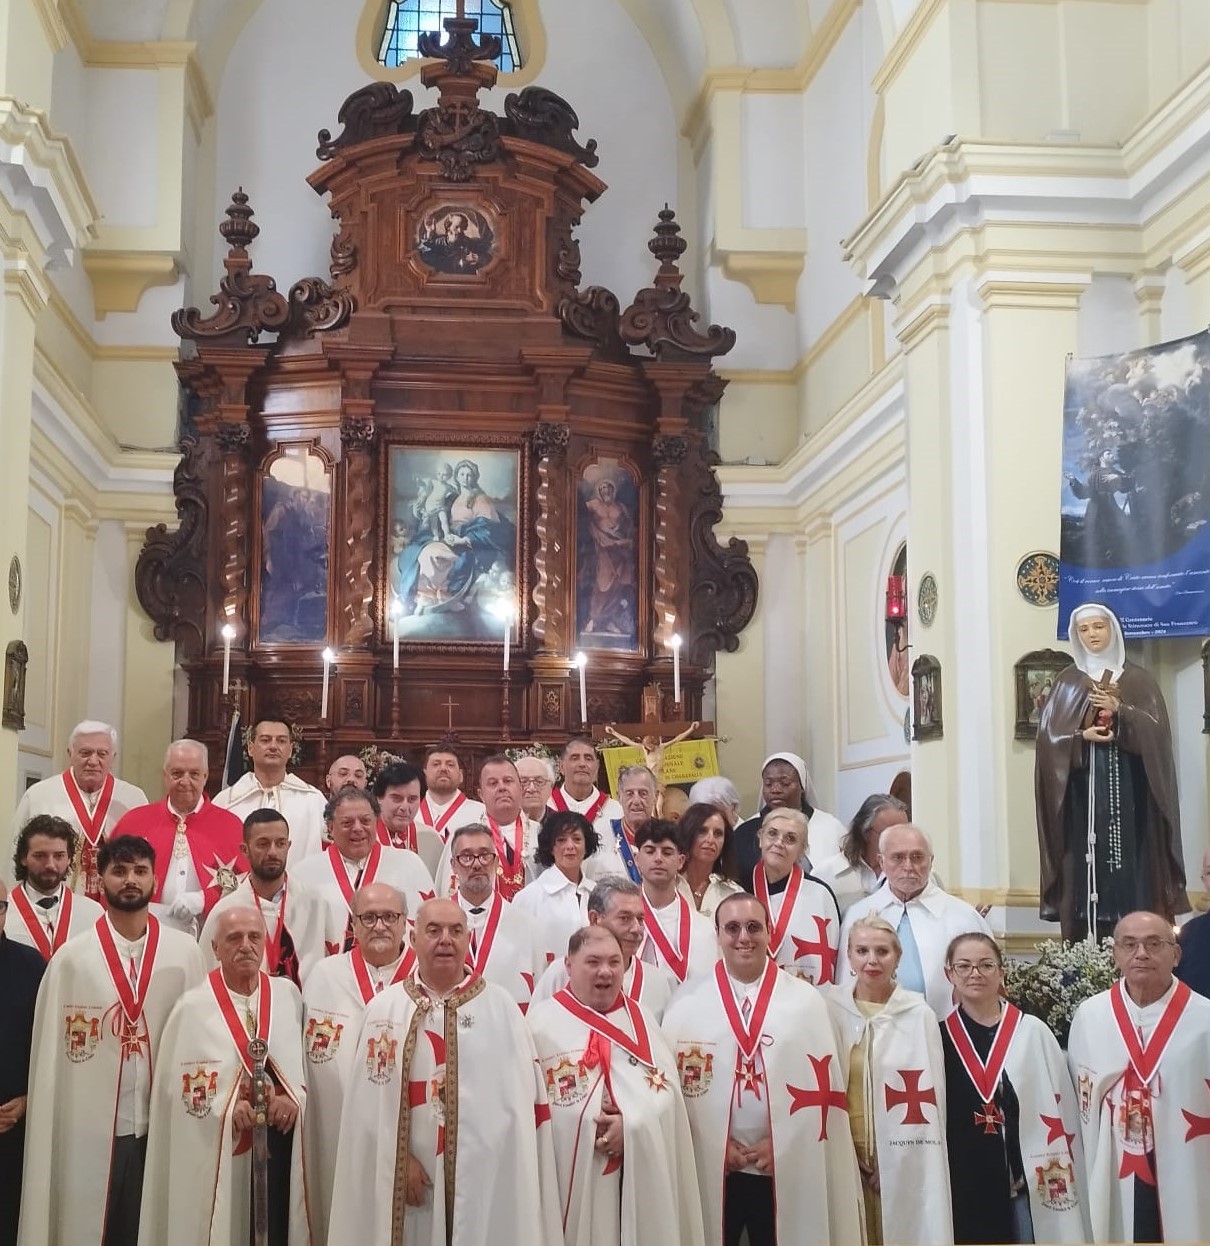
point(452, 557)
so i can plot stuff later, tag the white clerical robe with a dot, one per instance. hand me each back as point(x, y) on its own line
point(53, 796)
point(334, 1002)
point(44, 928)
point(314, 928)
point(524, 872)
point(445, 819)
point(557, 906)
point(649, 985)
point(477, 1123)
point(76, 1066)
point(679, 939)
point(648, 1197)
point(336, 879)
point(298, 802)
point(788, 1063)
point(909, 1141)
point(598, 807)
point(804, 923)
point(506, 947)
point(198, 1181)
point(850, 883)
point(1172, 1061)
point(615, 852)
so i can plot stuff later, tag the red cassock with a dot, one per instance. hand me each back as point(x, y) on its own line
point(214, 844)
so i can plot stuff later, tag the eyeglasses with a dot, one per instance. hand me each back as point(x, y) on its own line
point(733, 930)
point(774, 836)
point(537, 782)
point(904, 858)
point(964, 968)
point(1152, 945)
point(475, 858)
point(370, 920)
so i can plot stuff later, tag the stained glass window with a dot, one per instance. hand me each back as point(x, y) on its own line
point(408, 19)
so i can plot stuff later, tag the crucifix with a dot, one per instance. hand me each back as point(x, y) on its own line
point(653, 734)
point(449, 705)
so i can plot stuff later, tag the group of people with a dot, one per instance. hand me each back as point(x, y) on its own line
point(398, 1014)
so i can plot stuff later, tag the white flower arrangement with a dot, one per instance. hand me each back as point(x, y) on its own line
point(1064, 975)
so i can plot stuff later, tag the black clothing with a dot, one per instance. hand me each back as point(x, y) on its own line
point(1194, 969)
point(748, 1204)
point(125, 1190)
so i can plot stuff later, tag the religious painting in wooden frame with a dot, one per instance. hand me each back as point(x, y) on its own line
point(452, 541)
point(455, 240)
point(293, 543)
point(926, 698)
point(1034, 675)
point(607, 557)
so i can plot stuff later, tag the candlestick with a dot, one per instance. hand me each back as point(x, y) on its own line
point(675, 642)
point(396, 612)
point(228, 635)
point(329, 657)
point(581, 661)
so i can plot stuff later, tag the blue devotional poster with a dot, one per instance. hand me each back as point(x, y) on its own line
point(1136, 488)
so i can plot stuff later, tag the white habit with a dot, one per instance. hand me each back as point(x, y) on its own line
point(457, 812)
point(805, 925)
point(511, 876)
point(850, 883)
point(298, 802)
point(505, 946)
point(557, 906)
point(649, 985)
point(679, 939)
point(48, 927)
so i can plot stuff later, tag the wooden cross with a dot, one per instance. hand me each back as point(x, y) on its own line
point(653, 724)
point(449, 704)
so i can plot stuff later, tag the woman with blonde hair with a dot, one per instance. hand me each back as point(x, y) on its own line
point(894, 1071)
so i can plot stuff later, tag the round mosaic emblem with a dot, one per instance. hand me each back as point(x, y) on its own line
point(1038, 578)
point(926, 599)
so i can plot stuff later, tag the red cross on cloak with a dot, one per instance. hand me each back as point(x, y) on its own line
point(1055, 1130)
point(822, 1097)
point(418, 1092)
point(912, 1096)
point(1199, 1126)
point(823, 949)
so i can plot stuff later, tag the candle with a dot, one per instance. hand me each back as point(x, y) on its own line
point(582, 663)
point(329, 657)
point(675, 642)
point(396, 612)
point(508, 636)
point(228, 634)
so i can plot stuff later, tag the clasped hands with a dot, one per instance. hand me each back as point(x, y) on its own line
point(609, 1131)
point(11, 1113)
point(281, 1111)
point(1103, 700)
point(740, 1157)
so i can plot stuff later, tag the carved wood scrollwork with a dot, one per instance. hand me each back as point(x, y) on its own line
point(724, 586)
point(372, 112)
point(170, 575)
point(357, 592)
point(541, 116)
point(550, 558)
point(668, 453)
point(315, 306)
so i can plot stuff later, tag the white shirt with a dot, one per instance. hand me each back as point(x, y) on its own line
point(468, 814)
point(1145, 1019)
point(134, 1081)
point(749, 1111)
point(299, 803)
point(47, 914)
point(936, 917)
point(476, 921)
point(181, 883)
point(558, 907)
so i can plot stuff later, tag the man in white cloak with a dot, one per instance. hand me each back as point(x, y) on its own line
point(765, 1093)
point(679, 939)
point(622, 1143)
point(334, 1003)
point(45, 910)
point(102, 1008)
point(445, 1135)
point(1140, 1058)
point(198, 1188)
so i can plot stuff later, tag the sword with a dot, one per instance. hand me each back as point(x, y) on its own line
point(258, 1050)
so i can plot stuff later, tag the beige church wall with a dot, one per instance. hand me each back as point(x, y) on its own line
point(1178, 44)
point(25, 54)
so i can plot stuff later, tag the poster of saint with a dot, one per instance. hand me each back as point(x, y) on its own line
point(1135, 509)
point(452, 548)
point(296, 518)
point(607, 556)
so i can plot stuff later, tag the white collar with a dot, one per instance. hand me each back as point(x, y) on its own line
point(743, 990)
point(932, 898)
point(35, 895)
point(1146, 1014)
point(172, 809)
point(441, 806)
point(663, 908)
point(467, 905)
point(127, 947)
point(554, 881)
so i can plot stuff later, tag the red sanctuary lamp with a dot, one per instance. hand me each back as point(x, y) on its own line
point(896, 597)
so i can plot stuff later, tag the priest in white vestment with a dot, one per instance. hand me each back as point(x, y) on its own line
point(579, 766)
point(617, 904)
point(764, 1089)
point(268, 785)
point(637, 794)
point(679, 938)
point(506, 946)
point(301, 928)
point(334, 1002)
point(102, 1008)
point(1139, 1055)
point(355, 858)
point(445, 807)
point(88, 795)
point(198, 1186)
point(515, 836)
point(44, 911)
point(623, 1148)
point(445, 1126)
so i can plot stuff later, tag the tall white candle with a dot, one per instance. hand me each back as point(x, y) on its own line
point(329, 657)
point(676, 668)
point(582, 663)
point(508, 637)
point(396, 611)
point(228, 634)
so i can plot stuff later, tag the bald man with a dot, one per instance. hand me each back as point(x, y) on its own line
point(346, 771)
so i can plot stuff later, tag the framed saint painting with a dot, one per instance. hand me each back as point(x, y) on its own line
point(452, 542)
point(607, 558)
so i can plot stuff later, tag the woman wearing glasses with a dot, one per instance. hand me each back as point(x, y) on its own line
point(897, 1118)
point(1012, 1125)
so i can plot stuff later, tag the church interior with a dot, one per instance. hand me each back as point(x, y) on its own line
point(849, 246)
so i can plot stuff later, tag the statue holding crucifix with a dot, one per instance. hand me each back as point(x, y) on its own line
point(1109, 833)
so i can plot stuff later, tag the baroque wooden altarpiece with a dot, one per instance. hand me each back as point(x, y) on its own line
point(448, 426)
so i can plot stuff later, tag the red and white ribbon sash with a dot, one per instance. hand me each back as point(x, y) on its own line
point(361, 971)
point(677, 959)
point(559, 801)
point(984, 1077)
point(512, 877)
point(638, 1046)
point(387, 840)
point(131, 998)
point(273, 944)
point(235, 1023)
point(1145, 1060)
point(747, 1036)
point(92, 824)
point(477, 962)
point(778, 928)
point(636, 981)
point(368, 871)
point(37, 931)
point(426, 814)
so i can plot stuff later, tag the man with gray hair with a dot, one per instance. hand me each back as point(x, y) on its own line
point(616, 903)
point(88, 795)
point(925, 917)
point(197, 845)
point(638, 790)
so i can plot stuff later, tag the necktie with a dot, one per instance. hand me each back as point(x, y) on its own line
point(747, 1009)
point(479, 910)
point(911, 971)
point(133, 975)
point(47, 902)
point(349, 940)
